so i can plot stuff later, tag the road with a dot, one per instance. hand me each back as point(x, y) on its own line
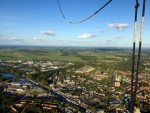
point(59, 96)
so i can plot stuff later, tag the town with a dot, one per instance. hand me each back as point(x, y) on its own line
point(59, 86)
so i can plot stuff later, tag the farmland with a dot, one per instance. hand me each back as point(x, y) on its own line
point(114, 58)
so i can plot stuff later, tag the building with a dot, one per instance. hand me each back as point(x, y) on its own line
point(117, 81)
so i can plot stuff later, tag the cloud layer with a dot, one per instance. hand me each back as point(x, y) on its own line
point(86, 36)
point(118, 26)
point(49, 33)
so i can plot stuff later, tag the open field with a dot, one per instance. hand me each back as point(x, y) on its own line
point(106, 57)
point(58, 54)
point(21, 54)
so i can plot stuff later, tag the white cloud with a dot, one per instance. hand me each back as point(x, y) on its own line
point(38, 39)
point(109, 40)
point(17, 39)
point(101, 31)
point(85, 36)
point(35, 38)
point(118, 36)
point(12, 40)
point(49, 33)
point(118, 26)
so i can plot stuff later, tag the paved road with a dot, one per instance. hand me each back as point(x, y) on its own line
point(59, 96)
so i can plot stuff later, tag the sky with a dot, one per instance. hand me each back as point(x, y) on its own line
point(39, 22)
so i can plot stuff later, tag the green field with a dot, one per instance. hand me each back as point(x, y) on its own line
point(29, 54)
point(106, 57)
point(59, 54)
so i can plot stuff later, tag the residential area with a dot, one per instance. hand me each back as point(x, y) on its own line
point(84, 89)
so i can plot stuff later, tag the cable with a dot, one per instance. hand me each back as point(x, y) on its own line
point(85, 18)
point(133, 56)
point(139, 51)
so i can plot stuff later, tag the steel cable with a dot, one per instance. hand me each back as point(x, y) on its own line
point(86, 17)
point(133, 57)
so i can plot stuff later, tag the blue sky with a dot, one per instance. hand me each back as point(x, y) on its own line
point(39, 22)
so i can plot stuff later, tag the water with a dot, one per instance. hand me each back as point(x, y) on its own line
point(8, 75)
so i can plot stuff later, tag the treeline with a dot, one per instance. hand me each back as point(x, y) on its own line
point(7, 99)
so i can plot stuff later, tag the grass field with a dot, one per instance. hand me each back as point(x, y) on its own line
point(82, 55)
point(16, 54)
point(107, 58)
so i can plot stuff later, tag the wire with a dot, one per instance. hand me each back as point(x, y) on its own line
point(86, 17)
